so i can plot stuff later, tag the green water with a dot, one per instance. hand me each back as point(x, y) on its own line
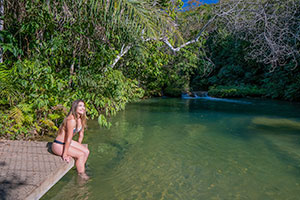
point(192, 149)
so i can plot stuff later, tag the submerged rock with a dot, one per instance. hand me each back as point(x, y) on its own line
point(276, 122)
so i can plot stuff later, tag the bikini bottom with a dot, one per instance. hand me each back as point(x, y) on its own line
point(59, 142)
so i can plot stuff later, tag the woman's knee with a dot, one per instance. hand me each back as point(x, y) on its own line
point(87, 152)
point(80, 155)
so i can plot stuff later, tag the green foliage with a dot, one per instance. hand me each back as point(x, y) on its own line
point(29, 89)
point(36, 97)
point(58, 51)
point(232, 68)
point(9, 44)
point(236, 91)
point(16, 122)
point(107, 93)
point(146, 65)
point(172, 92)
point(187, 65)
point(283, 84)
point(171, 6)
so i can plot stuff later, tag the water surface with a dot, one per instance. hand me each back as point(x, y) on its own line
point(192, 149)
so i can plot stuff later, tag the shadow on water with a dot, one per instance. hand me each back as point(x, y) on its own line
point(287, 157)
point(283, 130)
point(253, 107)
point(121, 150)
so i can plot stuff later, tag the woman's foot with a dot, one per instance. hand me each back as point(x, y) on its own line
point(84, 176)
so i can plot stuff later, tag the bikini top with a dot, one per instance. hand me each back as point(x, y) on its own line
point(76, 130)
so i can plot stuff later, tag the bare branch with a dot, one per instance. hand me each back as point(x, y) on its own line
point(217, 14)
point(121, 54)
point(272, 28)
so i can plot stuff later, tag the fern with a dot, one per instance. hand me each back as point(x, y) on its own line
point(17, 115)
point(26, 108)
point(49, 123)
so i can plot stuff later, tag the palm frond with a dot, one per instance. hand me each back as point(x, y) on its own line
point(140, 16)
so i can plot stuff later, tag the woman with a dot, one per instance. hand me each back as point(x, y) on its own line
point(64, 146)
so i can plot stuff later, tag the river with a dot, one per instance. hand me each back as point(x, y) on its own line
point(164, 148)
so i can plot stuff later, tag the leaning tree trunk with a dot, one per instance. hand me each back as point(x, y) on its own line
point(1, 27)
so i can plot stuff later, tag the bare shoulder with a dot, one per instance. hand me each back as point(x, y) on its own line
point(70, 117)
point(71, 121)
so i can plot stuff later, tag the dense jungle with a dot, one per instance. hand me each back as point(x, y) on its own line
point(112, 52)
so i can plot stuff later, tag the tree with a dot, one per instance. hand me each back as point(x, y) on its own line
point(272, 28)
point(119, 24)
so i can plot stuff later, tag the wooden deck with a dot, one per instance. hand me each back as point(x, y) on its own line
point(29, 169)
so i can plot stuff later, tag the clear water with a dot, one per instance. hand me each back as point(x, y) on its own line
point(192, 149)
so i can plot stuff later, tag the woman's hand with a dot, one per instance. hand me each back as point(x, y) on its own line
point(66, 158)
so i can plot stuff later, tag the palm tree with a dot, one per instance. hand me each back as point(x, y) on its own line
point(118, 23)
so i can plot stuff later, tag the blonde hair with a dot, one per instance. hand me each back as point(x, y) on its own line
point(75, 115)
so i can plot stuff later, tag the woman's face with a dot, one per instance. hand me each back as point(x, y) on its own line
point(80, 108)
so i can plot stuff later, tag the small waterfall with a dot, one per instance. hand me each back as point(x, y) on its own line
point(201, 94)
point(204, 95)
point(195, 95)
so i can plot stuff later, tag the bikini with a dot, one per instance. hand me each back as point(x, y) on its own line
point(74, 132)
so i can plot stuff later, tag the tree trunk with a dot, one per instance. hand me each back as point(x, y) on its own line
point(71, 73)
point(1, 27)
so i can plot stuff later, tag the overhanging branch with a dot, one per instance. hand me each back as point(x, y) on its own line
point(121, 54)
point(166, 41)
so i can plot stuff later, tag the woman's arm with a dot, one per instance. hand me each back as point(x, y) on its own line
point(81, 133)
point(71, 124)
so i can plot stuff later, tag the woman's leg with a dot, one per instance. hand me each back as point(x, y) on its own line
point(80, 159)
point(81, 147)
point(77, 154)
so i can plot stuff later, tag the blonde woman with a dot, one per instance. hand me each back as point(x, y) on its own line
point(64, 146)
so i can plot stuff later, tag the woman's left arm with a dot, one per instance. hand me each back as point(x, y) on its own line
point(80, 138)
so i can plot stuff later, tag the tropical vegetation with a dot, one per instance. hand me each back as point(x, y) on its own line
point(112, 52)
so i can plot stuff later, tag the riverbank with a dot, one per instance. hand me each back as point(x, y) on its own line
point(218, 93)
